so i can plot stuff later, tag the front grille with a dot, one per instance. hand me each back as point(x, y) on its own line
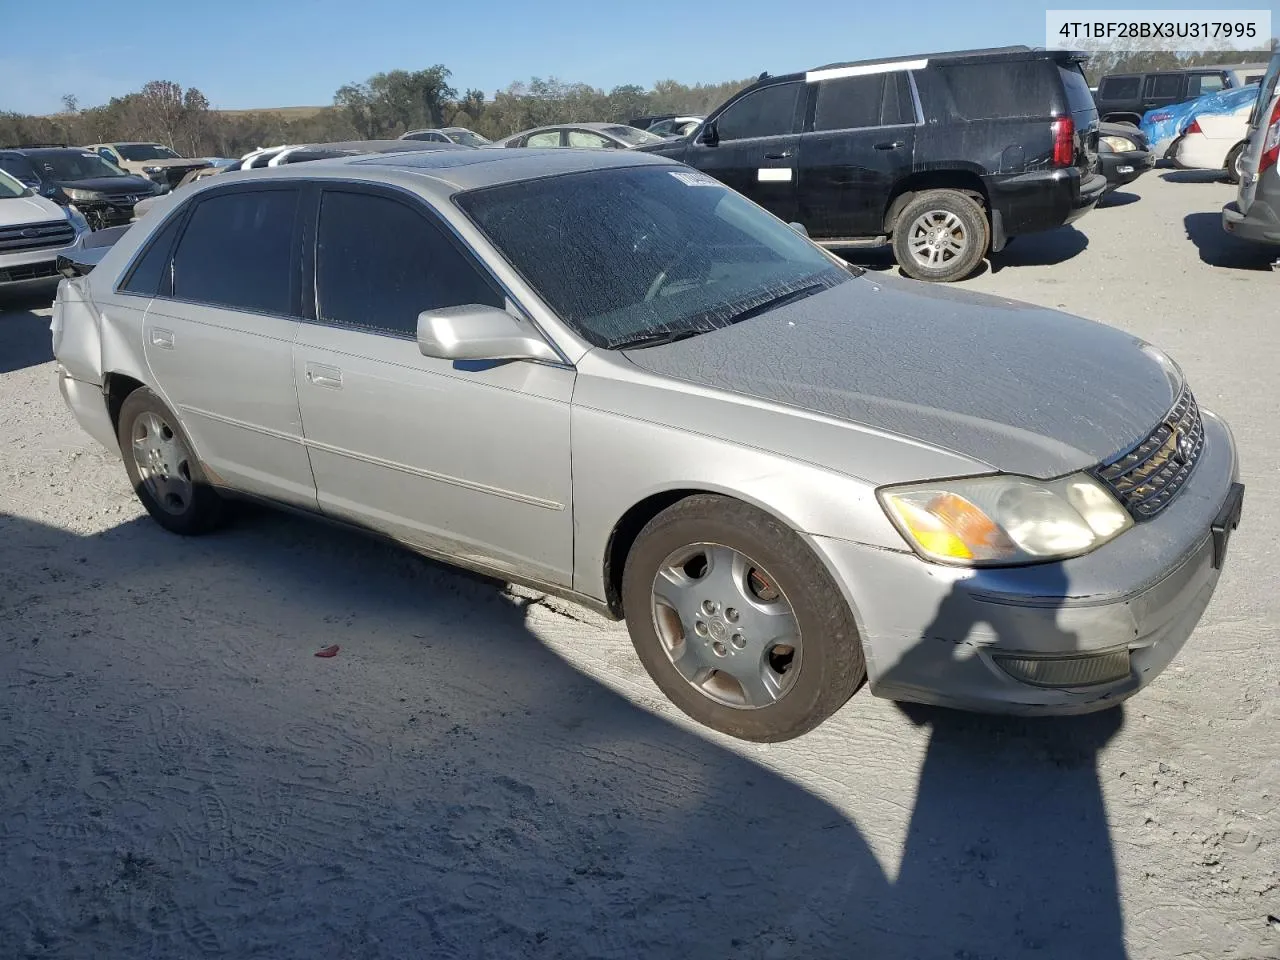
point(1148, 477)
point(36, 236)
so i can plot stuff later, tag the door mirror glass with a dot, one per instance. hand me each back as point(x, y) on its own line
point(478, 332)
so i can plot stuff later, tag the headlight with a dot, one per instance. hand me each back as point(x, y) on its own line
point(77, 219)
point(75, 194)
point(1119, 144)
point(1005, 520)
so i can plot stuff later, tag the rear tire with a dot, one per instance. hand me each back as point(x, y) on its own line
point(737, 621)
point(1233, 163)
point(941, 236)
point(163, 468)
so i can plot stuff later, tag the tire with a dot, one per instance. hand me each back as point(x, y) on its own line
point(773, 571)
point(1233, 163)
point(163, 468)
point(960, 230)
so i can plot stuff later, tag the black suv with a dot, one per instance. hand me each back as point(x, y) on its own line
point(948, 154)
point(101, 191)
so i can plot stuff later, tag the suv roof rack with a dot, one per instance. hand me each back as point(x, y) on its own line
point(38, 146)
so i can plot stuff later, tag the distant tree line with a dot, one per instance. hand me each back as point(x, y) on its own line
point(392, 103)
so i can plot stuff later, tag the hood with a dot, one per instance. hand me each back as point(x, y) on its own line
point(1021, 388)
point(113, 186)
point(16, 211)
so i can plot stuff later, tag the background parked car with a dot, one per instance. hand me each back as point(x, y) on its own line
point(1165, 125)
point(605, 136)
point(459, 135)
point(1255, 213)
point(1214, 141)
point(34, 231)
point(103, 193)
point(675, 126)
point(1125, 97)
point(1122, 154)
point(644, 123)
point(945, 155)
point(152, 160)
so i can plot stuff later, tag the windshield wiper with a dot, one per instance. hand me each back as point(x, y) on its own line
point(773, 303)
point(654, 339)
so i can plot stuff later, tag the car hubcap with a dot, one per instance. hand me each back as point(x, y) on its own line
point(163, 462)
point(936, 238)
point(726, 626)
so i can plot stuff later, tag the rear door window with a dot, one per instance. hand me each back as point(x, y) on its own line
point(871, 100)
point(1164, 86)
point(767, 112)
point(237, 252)
point(380, 262)
point(548, 138)
point(1120, 88)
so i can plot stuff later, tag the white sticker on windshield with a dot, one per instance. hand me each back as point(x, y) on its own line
point(692, 178)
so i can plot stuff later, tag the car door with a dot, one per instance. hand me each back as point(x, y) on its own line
point(1162, 89)
point(218, 336)
point(859, 141)
point(751, 145)
point(470, 460)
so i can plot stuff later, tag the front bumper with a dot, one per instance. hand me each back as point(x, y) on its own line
point(1123, 168)
point(33, 266)
point(935, 634)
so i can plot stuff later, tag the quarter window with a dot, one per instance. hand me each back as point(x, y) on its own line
point(873, 100)
point(1120, 88)
point(767, 112)
point(237, 251)
point(379, 263)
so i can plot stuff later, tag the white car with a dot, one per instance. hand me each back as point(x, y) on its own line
point(1215, 141)
point(33, 232)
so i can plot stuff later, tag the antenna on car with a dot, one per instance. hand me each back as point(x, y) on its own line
point(764, 75)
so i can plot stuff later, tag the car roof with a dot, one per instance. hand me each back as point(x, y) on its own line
point(1014, 52)
point(452, 171)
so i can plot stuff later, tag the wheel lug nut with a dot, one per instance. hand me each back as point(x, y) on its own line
point(718, 647)
point(700, 628)
point(709, 607)
point(738, 641)
point(731, 614)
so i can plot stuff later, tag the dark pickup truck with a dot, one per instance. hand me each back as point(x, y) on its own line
point(947, 155)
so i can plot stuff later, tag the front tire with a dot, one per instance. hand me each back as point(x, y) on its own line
point(737, 622)
point(163, 468)
point(941, 236)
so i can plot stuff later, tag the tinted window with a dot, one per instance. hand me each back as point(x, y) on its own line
point(1165, 85)
point(1202, 83)
point(74, 165)
point(1079, 99)
point(1120, 88)
point(237, 252)
point(875, 100)
point(767, 112)
point(379, 263)
point(150, 274)
point(991, 91)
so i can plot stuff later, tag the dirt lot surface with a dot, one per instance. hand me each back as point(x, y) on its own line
point(481, 772)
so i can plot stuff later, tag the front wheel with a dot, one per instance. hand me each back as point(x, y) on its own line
point(941, 235)
point(737, 622)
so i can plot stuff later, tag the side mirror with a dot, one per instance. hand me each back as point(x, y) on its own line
point(799, 228)
point(478, 332)
point(709, 135)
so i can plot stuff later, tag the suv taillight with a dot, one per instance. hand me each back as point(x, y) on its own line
point(1271, 141)
point(1195, 127)
point(1064, 142)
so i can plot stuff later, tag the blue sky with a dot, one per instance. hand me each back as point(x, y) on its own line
point(266, 53)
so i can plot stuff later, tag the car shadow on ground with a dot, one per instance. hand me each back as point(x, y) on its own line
point(1118, 198)
point(1195, 176)
point(180, 780)
point(24, 335)
point(1220, 249)
point(880, 259)
point(1040, 249)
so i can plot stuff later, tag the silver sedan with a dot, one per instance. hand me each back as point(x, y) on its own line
point(608, 376)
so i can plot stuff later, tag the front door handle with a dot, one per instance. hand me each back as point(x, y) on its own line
point(778, 156)
point(324, 376)
point(890, 145)
point(162, 338)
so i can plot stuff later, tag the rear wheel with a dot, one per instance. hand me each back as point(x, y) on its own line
point(163, 468)
point(941, 235)
point(737, 622)
point(1234, 173)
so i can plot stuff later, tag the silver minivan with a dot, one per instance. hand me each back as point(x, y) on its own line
point(1255, 213)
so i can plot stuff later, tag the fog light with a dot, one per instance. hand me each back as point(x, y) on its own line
point(1066, 671)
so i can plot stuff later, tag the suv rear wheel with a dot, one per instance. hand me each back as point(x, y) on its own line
point(941, 235)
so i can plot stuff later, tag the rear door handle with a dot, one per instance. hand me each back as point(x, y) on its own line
point(778, 156)
point(890, 145)
point(324, 376)
point(162, 338)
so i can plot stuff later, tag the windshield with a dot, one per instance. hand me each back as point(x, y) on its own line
point(632, 136)
point(467, 138)
point(10, 188)
point(145, 151)
point(74, 165)
point(18, 166)
point(624, 253)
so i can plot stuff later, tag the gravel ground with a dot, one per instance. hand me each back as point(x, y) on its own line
point(483, 772)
